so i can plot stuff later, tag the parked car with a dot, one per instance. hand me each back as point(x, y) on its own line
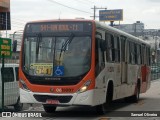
point(11, 87)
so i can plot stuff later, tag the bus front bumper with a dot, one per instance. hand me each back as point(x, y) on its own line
point(85, 98)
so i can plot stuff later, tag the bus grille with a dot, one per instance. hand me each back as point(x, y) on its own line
point(61, 99)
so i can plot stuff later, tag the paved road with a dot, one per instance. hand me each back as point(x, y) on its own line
point(148, 104)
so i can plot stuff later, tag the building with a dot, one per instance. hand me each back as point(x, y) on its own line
point(5, 22)
point(136, 29)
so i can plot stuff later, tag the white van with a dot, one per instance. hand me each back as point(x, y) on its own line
point(11, 87)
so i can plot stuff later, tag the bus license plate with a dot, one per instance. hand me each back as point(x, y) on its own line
point(49, 101)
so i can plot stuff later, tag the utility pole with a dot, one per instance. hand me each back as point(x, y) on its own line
point(94, 12)
point(6, 24)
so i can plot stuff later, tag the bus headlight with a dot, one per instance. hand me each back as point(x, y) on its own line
point(84, 87)
point(23, 85)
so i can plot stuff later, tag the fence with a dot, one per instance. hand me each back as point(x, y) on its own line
point(155, 71)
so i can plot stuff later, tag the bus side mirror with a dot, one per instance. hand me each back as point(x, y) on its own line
point(103, 45)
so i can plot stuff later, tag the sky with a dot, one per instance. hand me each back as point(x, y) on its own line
point(22, 11)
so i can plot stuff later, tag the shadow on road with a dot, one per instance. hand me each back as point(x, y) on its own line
point(83, 111)
point(91, 111)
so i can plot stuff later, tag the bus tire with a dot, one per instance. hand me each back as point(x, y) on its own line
point(101, 109)
point(49, 108)
point(18, 106)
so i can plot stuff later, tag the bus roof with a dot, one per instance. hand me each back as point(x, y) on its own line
point(62, 20)
point(115, 30)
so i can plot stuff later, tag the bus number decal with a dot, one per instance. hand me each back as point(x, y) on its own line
point(41, 69)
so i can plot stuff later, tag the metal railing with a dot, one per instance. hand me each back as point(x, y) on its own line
point(155, 71)
point(9, 89)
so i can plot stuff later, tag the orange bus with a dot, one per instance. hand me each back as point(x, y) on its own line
point(81, 62)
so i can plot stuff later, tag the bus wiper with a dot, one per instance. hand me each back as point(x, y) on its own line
point(68, 41)
point(64, 45)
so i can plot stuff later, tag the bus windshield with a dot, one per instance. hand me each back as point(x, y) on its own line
point(57, 56)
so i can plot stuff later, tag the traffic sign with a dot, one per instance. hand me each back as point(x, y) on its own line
point(111, 15)
point(5, 47)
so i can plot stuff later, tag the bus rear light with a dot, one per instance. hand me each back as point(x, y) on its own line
point(23, 85)
point(84, 87)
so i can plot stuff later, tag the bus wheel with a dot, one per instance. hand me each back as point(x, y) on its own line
point(18, 106)
point(49, 108)
point(100, 109)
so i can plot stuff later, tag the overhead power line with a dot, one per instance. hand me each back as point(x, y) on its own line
point(89, 1)
point(53, 1)
point(94, 13)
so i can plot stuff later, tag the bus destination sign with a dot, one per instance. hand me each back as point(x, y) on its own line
point(64, 27)
point(55, 27)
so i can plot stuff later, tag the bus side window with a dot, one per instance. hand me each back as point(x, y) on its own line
point(123, 48)
point(143, 54)
point(99, 57)
point(138, 54)
point(117, 49)
point(132, 52)
point(149, 56)
point(96, 57)
point(109, 48)
point(135, 53)
point(113, 47)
